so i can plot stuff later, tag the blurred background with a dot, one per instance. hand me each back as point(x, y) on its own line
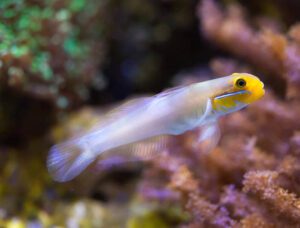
point(65, 62)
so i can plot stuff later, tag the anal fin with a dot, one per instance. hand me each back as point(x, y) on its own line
point(140, 151)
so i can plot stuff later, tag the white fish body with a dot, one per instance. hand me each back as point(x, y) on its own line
point(171, 112)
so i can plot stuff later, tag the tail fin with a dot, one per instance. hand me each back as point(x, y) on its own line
point(69, 159)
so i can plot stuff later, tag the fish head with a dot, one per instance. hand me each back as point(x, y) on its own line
point(238, 91)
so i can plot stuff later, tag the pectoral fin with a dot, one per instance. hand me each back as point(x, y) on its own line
point(209, 136)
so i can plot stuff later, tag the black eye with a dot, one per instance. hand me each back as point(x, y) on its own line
point(240, 83)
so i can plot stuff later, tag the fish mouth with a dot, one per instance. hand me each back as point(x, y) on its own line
point(232, 93)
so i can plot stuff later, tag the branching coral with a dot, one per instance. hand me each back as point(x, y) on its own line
point(230, 30)
point(210, 185)
point(263, 185)
point(268, 49)
point(202, 211)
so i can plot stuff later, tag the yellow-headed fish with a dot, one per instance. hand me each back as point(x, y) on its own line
point(171, 112)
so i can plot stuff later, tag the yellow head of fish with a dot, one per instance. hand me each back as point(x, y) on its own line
point(239, 90)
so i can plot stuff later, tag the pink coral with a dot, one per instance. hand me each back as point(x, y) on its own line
point(269, 50)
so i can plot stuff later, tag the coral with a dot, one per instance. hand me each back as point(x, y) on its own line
point(269, 50)
point(202, 211)
point(231, 30)
point(50, 56)
point(250, 179)
point(263, 185)
point(230, 186)
point(255, 220)
point(48, 50)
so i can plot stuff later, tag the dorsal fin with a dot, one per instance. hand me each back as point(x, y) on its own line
point(171, 91)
